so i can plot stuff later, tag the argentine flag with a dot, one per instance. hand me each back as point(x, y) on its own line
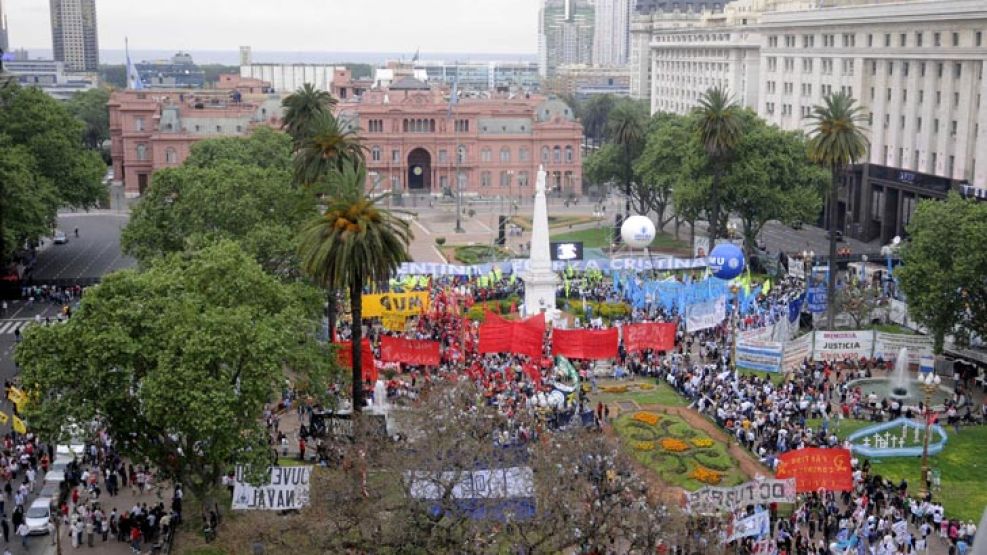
point(133, 78)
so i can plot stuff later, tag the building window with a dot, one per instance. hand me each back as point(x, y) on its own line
point(936, 40)
point(918, 38)
point(375, 154)
point(978, 38)
point(956, 42)
point(887, 40)
point(505, 154)
point(918, 124)
point(404, 126)
point(462, 125)
point(557, 154)
point(138, 123)
point(568, 154)
point(485, 179)
point(544, 154)
point(461, 154)
point(522, 154)
point(522, 179)
point(142, 152)
point(952, 128)
point(171, 156)
point(443, 155)
point(957, 70)
point(870, 40)
point(902, 39)
point(396, 156)
point(932, 163)
point(505, 179)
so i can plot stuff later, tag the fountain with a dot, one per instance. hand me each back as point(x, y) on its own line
point(899, 380)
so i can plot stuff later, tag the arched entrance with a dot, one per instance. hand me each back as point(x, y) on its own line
point(419, 170)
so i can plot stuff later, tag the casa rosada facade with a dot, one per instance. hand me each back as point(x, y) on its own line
point(490, 145)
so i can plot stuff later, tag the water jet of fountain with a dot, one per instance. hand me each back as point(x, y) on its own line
point(899, 380)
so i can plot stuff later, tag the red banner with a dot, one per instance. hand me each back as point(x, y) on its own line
point(815, 468)
point(344, 354)
point(524, 337)
point(585, 344)
point(657, 336)
point(409, 351)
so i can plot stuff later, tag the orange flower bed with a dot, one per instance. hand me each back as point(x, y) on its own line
point(703, 442)
point(705, 475)
point(645, 386)
point(646, 417)
point(673, 445)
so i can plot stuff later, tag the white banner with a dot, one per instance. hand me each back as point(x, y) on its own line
point(758, 524)
point(898, 312)
point(515, 481)
point(765, 333)
point(705, 315)
point(287, 489)
point(887, 345)
point(796, 351)
point(764, 356)
point(796, 268)
point(700, 247)
point(762, 492)
point(839, 345)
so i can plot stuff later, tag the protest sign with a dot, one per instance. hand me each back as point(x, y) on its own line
point(840, 345)
point(409, 351)
point(585, 344)
point(394, 304)
point(287, 488)
point(758, 524)
point(492, 493)
point(659, 336)
point(816, 299)
point(705, 315)
point(796, 351)
point(755, 492)
point(887, 346)
point(817, 468)
point(764, 356)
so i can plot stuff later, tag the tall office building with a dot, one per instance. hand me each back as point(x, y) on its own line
point(73, 34)
point(4, 40)
point(565, 34)
point(611, 32)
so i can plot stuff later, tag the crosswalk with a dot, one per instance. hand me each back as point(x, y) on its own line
point(10, 326)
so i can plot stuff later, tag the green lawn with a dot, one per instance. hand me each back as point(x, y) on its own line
point(662, 394)
point(643, 442)
point(962, 466)
point(600, 237)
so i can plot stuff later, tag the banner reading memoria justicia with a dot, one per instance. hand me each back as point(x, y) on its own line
point(762, 492)
point(841, 345)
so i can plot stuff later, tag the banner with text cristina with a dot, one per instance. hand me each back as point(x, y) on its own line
point(817, 469)
point(659, 336)
point(520, 265)
point(585, 344)
point(409, 351)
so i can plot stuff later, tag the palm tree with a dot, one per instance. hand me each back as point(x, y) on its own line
point(354, 242)
point(719, 130)
point(626, 128)
point(836, 140)
point(302, 107)
point(328, 146)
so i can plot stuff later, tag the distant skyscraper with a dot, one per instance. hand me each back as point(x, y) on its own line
point(73, 34)
point(246, 56)
point(611, 35)
point(4, 40)
point(565, 34)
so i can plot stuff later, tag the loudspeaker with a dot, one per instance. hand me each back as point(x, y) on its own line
point(501, 231)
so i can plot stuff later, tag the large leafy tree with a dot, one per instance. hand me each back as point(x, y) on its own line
point(27, 201)
point(719, 130)
point(264, 148)
point(626, 128)
point(659, 166)
point(303, 107)
point(190, 205)
point(90, 108)
point(353, 243)
point(177, 361)
point(771, 178)
point(595, 115)
point(943, 272)
point(836, 141)
point(329, 146)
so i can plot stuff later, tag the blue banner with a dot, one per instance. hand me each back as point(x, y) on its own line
point(816, 299)
point(762, 356)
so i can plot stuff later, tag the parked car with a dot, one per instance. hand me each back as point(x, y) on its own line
point(59, 237)
point(38, 515)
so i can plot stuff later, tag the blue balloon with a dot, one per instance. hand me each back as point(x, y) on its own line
point(726, 260)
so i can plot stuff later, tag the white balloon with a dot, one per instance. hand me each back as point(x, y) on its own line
point(638, 232)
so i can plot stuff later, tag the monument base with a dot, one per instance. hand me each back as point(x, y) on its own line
point(539, 293)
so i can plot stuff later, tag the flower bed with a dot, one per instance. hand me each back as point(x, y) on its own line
point(645, 386)
point(644, 445)
point(646, 417)
point(673, 445)
point(702, 442)
point(705, 475)
point(614, 389)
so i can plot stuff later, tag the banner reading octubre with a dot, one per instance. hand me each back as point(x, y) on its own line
point(816, 469)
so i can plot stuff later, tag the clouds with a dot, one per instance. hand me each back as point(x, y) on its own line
point(508, 26)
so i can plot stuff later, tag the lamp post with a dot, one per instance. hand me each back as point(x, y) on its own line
point(734, 289)
point(929, 384)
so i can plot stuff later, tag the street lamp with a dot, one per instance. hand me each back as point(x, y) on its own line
point(734, 289)
point(807, 256)
point(929, 384)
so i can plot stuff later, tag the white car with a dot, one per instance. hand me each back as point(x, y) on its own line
point(59, 237)
point(38, 515)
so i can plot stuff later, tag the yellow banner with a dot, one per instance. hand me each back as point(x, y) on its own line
point(16, 395)
point(19, 426)
point(395, 304)
point(393, 323)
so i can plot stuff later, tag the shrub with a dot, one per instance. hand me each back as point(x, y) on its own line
point(440, 241)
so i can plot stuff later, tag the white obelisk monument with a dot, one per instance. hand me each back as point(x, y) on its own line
point(540, 281)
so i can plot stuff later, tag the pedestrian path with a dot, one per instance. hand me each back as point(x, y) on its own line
point(13, 325)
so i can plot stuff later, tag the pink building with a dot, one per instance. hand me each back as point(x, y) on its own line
point(491, 145)
point(154, 129)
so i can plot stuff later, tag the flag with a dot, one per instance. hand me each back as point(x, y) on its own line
point(19, 426)
point(417, 54)
point(454, 95)
point(133, 78)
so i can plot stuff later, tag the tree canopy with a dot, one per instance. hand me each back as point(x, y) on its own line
point(176, 361)
point(233, 188)
point(90, 108)
point(943, 271)
point(45, 165)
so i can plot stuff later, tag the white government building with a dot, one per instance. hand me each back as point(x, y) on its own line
point(915, 66)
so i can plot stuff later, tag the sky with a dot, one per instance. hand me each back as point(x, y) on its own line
point(481, 26)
